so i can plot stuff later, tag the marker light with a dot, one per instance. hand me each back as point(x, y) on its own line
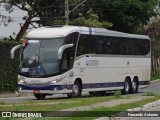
point(24, 42)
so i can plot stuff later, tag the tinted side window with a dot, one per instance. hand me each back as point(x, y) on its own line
point(112, 45)
point(69, 53)
point(86, 45)
point(72, 38)
point(136, 46)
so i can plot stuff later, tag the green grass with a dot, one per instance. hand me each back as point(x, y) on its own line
point(2, 102)
point(60, 104)
point(151, 94)
point(110, 112)
point(91, 115)
point(156, 76)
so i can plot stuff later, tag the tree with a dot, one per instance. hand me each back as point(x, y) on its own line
point(34, 8)
point(90, 20)
point(126, 15)
point(153, 30)
point(27, 6)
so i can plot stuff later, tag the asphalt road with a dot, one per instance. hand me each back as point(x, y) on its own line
point(154, 87)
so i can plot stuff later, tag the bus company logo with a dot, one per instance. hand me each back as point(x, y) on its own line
point(6, 114)
point(87, 63)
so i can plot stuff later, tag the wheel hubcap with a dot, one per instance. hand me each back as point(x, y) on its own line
point(127, 86)
point(75, 90)
point(134, 86)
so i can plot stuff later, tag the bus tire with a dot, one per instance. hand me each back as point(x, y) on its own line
point(134, 86)
point(127, 87)
point(40, 96)
point(76, 92)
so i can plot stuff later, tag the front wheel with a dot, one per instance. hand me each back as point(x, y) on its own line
point(40, 96)
point(76, 91)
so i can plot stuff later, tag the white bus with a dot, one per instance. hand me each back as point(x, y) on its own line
point(71, 60)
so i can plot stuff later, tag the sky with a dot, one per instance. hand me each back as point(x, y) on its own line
point(5, 31)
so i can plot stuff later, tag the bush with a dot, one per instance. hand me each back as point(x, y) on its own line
point(8, 67)
point(117, 93)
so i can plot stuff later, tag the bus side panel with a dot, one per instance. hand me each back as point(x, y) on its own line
point(109, 73)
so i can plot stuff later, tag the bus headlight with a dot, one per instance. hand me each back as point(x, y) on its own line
point(21, 81)
point(55, 81)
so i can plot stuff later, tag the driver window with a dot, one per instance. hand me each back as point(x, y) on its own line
point(69, 53)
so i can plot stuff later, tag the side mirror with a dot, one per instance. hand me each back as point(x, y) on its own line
point(61, 49)
point(12, 52)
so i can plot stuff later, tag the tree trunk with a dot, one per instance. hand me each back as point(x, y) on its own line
point(23, 28)
point(153, 64)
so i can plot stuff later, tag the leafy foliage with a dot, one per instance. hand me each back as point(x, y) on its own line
point(126, 15)
point(153, 30)
point(117, 93)
point(9, 68)
point(91, 20)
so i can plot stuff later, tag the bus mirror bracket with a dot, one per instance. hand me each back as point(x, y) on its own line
point(61, 49)
point(12, 52)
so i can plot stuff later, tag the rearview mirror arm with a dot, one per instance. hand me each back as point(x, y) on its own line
point(12, 52)
point(61, 49)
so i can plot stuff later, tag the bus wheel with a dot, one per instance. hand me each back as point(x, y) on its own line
point(76, 92)
point(40, 96)
point(134, 86)
point(127, 87)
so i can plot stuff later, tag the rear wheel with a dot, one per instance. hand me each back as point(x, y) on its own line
point(134, 86)
point(76, 91)
point(127, 86)
point(40, 96)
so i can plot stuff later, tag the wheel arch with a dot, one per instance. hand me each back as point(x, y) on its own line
point(79, 80)
point(128, 78)
point(136, 79)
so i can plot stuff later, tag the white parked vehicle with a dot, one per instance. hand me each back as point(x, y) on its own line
point(72, 59)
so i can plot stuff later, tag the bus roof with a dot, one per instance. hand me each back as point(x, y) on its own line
point(61, 31)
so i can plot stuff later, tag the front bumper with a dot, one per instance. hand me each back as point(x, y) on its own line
point(49, 89)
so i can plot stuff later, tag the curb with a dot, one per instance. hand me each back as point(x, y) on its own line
point(146, 106)
point(155, 81)
point(143, 108)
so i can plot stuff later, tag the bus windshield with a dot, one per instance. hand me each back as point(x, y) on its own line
point(40, 57)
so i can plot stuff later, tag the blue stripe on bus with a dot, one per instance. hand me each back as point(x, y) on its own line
point(90, 31)
point(49, 87)
point(84, 86)
point(144, 82)
point(111, 84)
point(103, 85)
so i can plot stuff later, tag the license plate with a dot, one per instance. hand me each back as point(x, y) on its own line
point(36, 91)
